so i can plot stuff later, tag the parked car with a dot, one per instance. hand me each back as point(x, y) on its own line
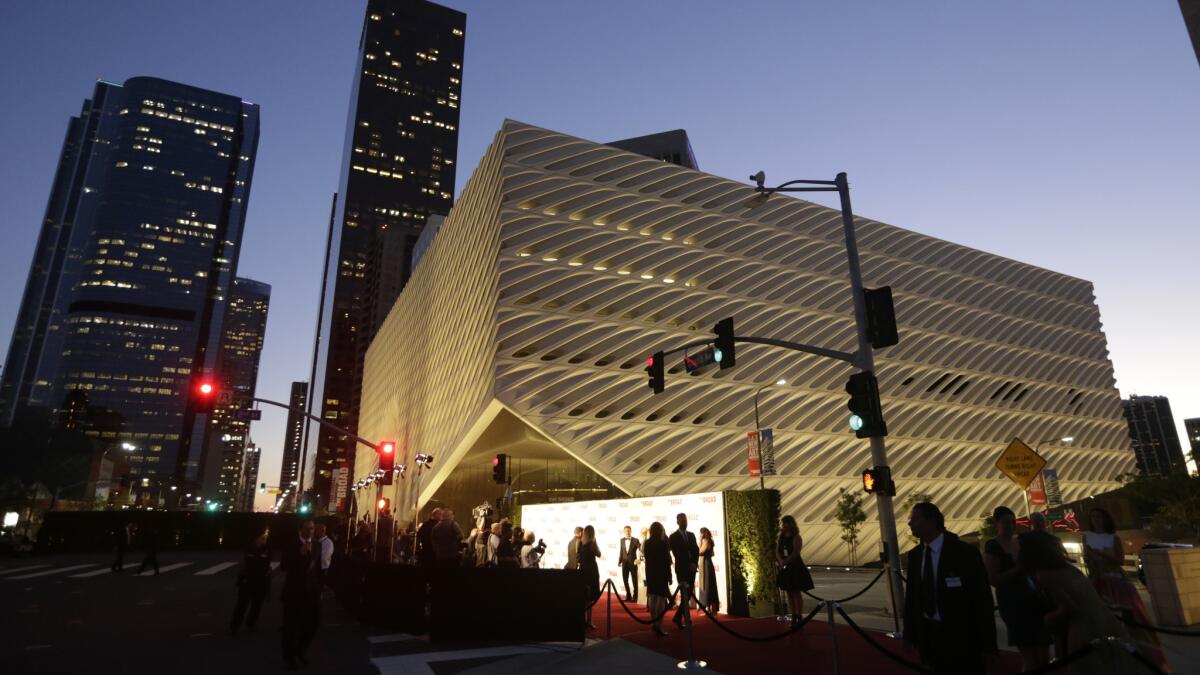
point(1141, 572)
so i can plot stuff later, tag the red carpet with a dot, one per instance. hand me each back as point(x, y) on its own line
point(808, 651)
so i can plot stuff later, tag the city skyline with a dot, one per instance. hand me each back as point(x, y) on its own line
point(1009, 145)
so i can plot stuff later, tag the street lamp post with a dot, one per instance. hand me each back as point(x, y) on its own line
point(864, 357)
point(762, 484)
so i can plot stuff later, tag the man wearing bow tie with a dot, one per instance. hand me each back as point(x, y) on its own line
point(629, 555)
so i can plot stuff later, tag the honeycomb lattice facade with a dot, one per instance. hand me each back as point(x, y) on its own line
point(566, 262)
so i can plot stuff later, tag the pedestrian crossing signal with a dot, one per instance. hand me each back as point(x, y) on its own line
point(383, 504)
point(878, 480)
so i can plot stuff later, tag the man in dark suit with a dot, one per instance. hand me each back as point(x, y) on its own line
point(948, 603)
point(629, 555)
point(573, 550)
point(687, 554)
point(301, 563)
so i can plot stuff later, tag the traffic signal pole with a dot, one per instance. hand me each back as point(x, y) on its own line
point(865, 360)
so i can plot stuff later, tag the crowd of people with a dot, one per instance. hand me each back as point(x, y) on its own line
point(1043, 599)
point(951, 592)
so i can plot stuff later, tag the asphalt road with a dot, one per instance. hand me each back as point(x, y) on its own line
point(68, 614)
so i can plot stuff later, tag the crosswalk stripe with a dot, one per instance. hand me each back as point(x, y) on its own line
point(215, 568)
point(47, 573)
point(93, 573)
point(164, 568)
point(23, 569)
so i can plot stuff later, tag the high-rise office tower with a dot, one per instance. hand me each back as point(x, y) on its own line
point(1192, 427)
point(128, 288)
point(227, 433)
point(397, 170)
point(1152, 434)
point(293, 439)
point(247, 478)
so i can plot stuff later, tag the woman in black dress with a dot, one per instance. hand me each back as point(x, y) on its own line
point(1020, 605)
point(656, 550)
point(588, 552)
point(707, 588)
point(793, 576)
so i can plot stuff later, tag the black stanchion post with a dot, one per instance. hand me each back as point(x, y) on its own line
point(837, 666)
point(610, 587)
point(691, 663)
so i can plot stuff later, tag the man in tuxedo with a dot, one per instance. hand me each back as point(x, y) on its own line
point(573, 550)
point(629, 555)
point(948, 603)
point(687, 554)
point(301, 563)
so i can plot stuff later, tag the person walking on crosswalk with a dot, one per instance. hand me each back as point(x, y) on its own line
point(123, 536)
point(253, 584)
point(150, 546)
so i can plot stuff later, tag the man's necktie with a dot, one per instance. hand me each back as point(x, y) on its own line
point(928, 585)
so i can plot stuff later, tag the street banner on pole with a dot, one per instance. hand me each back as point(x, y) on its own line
point(341, 481)
point(1053, 491)
point(766, 451)
point(1020, 463)
point(1037, 491)
point(753, 461)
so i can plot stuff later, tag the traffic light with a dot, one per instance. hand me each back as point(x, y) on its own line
point(383, 505)
point(387, 460)
point(878, 480)
point(724, 351)
point(881, 317)
point(205, 396)
point(500, 468)
point(866, 418)
point(654, 367)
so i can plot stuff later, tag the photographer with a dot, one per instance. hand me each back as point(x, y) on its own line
point(531, 555)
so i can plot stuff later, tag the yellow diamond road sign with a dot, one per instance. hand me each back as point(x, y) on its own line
point(1020, 463)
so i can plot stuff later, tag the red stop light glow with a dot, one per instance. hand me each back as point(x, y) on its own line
point(382, 504)
point(207, 388)
point(649, 361)
point(495, 461)
point(387, 447)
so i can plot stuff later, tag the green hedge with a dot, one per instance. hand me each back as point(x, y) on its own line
point(751, 518)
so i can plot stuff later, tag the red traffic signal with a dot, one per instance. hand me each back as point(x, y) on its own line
point(205, 396)
point(500, 468)
point(383, 504)
point(387, 460)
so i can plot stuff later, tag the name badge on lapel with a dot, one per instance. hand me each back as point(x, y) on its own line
point(953, 582)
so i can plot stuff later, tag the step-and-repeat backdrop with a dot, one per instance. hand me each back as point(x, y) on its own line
point(556, 523)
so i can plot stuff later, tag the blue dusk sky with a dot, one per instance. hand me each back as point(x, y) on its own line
point(1061, 134)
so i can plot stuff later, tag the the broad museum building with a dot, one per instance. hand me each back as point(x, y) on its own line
point(526, 325)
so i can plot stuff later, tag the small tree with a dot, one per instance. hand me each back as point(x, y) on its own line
point(906, 506)
point(850, 516)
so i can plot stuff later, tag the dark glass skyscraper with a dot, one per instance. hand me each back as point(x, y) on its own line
point(1152, 434)
point(397, 170)
point(289, 469)
point(129, 283)
point(227, 433)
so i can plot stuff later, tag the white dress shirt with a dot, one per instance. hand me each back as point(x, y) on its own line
point(326, 552)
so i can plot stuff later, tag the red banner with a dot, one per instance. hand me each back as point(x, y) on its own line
point(753, 461)
point(1037, 491)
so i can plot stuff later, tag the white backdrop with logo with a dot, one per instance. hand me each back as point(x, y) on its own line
point(556, 523)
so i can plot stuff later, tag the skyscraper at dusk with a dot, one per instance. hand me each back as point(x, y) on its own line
point(133, 268)
point(397, 170)
point(227, 434)
point(289, 468)
point(1152, 433)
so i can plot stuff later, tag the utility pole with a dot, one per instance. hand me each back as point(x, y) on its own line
point(866, 361)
